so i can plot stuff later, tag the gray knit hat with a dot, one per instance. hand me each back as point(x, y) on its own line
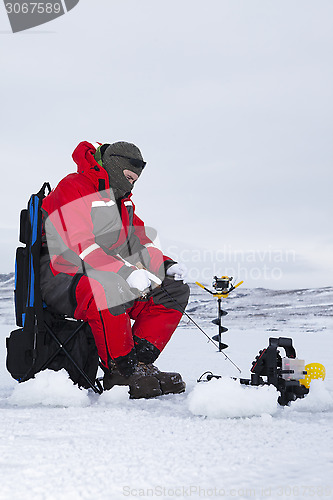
point(118, 157)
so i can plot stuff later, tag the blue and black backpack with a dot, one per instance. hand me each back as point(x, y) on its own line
point(45, 340)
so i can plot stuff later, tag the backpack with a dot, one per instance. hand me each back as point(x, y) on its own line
point(45, 340)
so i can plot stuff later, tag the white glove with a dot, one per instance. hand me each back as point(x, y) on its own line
point(178, 271)
point(139, 279)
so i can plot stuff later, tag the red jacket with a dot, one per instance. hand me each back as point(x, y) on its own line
point(85, 226)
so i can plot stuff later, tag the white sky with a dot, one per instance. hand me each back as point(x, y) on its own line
point(230, 102)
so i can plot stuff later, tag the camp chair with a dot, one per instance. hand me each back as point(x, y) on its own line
point(45, 340)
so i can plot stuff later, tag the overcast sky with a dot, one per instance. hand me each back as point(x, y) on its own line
point(230, 102)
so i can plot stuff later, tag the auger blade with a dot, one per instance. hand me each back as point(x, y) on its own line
point(221, 344)
point(223, 328)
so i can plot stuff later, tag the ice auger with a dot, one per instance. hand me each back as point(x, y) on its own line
point(223, 286)
point(288, 373)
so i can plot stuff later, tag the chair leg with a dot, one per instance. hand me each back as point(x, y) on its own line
point(95, 386)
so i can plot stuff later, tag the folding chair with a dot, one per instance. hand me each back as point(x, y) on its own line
point(45, 340)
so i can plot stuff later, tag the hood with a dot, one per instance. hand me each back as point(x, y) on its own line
point(83, 155)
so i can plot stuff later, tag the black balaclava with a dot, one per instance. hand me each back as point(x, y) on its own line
point(115, 159)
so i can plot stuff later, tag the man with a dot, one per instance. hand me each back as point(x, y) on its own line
point(99, 265)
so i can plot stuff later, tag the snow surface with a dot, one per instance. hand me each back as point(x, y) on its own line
point(217, 440)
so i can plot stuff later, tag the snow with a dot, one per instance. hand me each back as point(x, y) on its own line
point(225, 397)
point(48, 389)
point(319, 399)
point(218, 439)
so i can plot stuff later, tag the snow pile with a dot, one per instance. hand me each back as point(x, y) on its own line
point(49, 388)
point(319, 399)
point(117, 395)
point(226, 397)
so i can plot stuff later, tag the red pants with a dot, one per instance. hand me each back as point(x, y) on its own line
point(155, 318)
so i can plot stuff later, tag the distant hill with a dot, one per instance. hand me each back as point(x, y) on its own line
point(7, 277)
point(284, 311)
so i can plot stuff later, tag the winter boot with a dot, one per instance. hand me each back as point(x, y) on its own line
point(144, 387)
point(170, 382)
point(141, 384)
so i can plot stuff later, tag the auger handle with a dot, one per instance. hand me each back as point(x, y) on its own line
point(233, 287)
point(203, 287)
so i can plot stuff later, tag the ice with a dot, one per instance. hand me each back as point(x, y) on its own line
point(218, 439)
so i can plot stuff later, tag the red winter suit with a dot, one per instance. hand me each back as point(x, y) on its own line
point(91, 244)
